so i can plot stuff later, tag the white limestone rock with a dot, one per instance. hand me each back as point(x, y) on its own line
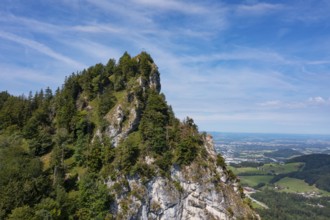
point(190, 192)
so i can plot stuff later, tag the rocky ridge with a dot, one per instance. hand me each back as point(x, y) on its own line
point(192, 192)
point(200, 190)
point(116, 130)
point(107, 145)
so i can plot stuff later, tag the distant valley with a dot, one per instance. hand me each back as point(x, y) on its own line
point(284, 176)
point(239, 147)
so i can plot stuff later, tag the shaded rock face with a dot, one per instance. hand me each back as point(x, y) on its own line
point(120, 123)
point(114, 130)
point(117, 130)
point(201, 190)
point(154, 79)
point(191, 192)
point(123, 119)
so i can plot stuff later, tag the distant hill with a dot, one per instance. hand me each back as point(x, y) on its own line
point(315, 171)
point(283, 153)
point(312, 161)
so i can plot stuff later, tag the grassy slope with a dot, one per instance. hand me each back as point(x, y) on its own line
point(251, 176)
point(267, 169)
point(265, 173)
point(253, 181)
point(293, 185)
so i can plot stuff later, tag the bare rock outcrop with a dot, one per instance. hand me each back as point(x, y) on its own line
point(198, 191)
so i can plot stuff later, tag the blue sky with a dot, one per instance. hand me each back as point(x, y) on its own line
point(240, 66)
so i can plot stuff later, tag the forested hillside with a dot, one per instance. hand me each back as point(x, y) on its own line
point(292, 206)
point(73, 153)
point(316, 170)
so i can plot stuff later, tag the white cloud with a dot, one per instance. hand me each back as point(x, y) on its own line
point(312, 101)
point(307, 11)
point(241, 53)
point(96, 28)
point(318, 100)
point(318, 62)
point(125, 10)
point(40, 48)
point(180, 6)
point(248, 116)
point(94, 50)
point(31, 24)
point(31, 75)
point(141, 15)
point(213, 64)
point(276, 104)
point(20, 79)
point(257, 9)
point(273, 103)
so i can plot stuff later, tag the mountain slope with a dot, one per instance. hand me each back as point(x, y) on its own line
point(111, 147)
point(315, 171)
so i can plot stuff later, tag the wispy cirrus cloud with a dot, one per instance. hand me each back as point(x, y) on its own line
point(96, 28)
point(307, 12)
point(318, 100)
point(310, 102)
point(126, 11)
point(40, 48)
point(29, 24)
point(171, 5)
point(20, 73)
point(240, 53)
point(258, 8)
point(220, 61)
point(152, 14)
point(276, 104)
point(20, 79)
point(95, 50)
point(272, 103)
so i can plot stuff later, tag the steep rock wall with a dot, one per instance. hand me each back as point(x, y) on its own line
point(197, 191)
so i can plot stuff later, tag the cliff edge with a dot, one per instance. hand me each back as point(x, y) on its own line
point(107, 145)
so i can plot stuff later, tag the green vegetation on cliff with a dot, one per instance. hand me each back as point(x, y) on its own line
point(57, 149)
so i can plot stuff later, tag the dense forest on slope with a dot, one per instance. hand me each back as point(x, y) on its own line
point(58, 149)
point(283, 153)
point(316, 170)
point(292, 206)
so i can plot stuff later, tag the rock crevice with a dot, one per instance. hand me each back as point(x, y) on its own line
point(182, 197)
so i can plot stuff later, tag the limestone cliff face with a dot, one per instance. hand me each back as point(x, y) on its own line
point(112, 148)
point(201, 190)
point(125, 116)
